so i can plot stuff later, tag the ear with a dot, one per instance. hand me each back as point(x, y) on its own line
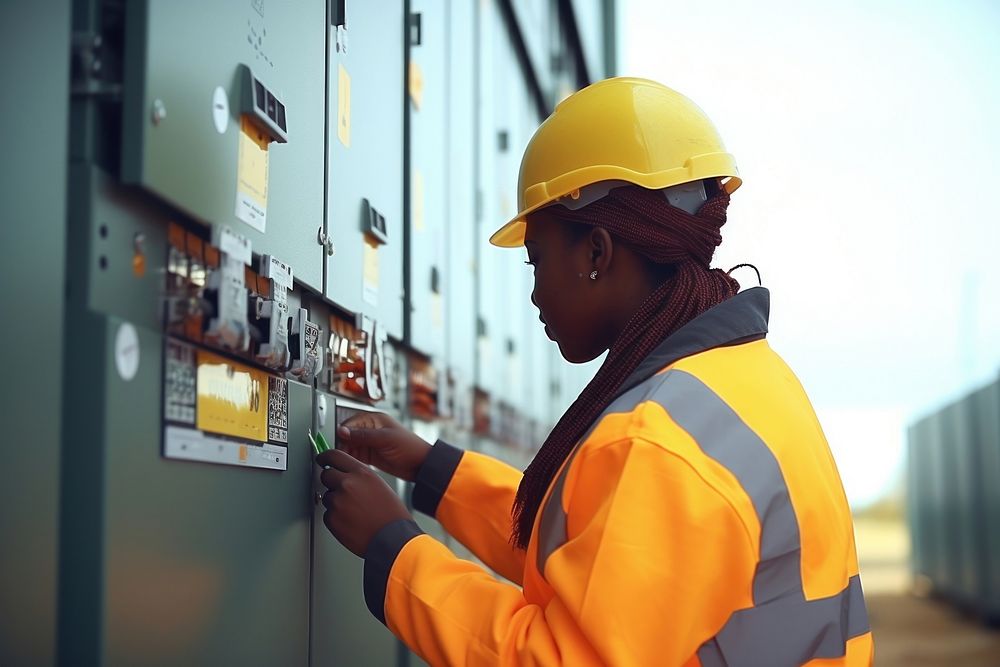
point(601, 249)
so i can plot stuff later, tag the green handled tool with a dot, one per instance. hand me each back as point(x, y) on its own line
point(319, 442)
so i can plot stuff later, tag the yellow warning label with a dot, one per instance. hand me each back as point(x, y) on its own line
point(232, 398)
point(344, 107)
point(416, 84)
point(370, 282)
point(251, 180)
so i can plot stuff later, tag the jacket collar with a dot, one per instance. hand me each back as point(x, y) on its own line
point(740, 319)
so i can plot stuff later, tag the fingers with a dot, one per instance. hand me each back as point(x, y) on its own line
point(332, 478)
point(362, 454)
point(364, 428)
point(339, 460)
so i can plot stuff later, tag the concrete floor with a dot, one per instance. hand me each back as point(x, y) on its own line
point(909, 630)
point(919, 632)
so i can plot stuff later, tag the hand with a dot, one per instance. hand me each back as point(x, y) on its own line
point(359, 503)
point(378, 439)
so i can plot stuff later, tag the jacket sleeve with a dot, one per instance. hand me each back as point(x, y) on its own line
point(644, 575)
point(472, 495)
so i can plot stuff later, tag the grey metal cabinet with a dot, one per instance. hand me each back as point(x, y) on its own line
point(590, 18)
point(986, 407)
point(204, 564)
point(917, 500)
point(365, 163)
point(33, 235)
point(961, 502)
point(200, 82)
point(502, 299)
point(163, 561)
point(428, 92)
point(460, 235)
point(534, 19)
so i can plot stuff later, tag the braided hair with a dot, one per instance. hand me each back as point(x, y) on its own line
point(665, 235)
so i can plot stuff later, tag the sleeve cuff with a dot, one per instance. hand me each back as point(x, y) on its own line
point(379, 558)
point(434, 477)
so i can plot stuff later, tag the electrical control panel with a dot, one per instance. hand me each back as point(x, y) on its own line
point(277, 217)
point(223, 117)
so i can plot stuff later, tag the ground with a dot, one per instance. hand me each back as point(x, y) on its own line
point(914, 630)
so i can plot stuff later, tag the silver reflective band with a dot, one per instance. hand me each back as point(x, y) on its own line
point(686, 196)
point(789, 632)
point(552, 525)
point(782, 628)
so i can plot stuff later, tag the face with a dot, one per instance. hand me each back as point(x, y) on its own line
point(568, 301)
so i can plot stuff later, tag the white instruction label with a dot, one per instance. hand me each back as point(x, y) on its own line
point(236, 246)
point(276, 270)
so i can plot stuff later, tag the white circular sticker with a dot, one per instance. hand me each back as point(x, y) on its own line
point(127, 351)
point(220, 109)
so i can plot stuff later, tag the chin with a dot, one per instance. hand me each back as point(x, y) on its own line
point(577, 356)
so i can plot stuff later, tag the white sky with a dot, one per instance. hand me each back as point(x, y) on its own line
point(867, 135)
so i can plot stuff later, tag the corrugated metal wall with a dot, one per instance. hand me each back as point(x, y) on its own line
point(954, 501)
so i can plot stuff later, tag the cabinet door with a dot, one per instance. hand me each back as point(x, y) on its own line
point(343, 631)
point(495, 201)
point(461, 239)
point(427, 105)
point(365, 144)
point(184, 138)
point(203, 564)
point(165, 562)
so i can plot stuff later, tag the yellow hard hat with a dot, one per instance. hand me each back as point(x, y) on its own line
point(620, 129)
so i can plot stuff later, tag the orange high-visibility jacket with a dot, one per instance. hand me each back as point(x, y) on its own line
point(701, 521)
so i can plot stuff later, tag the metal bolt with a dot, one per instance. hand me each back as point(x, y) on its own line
point(138, 241)
point(318, 498)
point(159, 111)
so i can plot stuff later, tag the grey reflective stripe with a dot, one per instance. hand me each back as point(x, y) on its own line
point(782, 628)
point(723, 436)
point(552, 526)
point(789, 632)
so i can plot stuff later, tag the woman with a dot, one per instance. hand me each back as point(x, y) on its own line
point(686, 509)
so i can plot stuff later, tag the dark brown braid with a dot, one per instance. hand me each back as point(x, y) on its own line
point(665, 235)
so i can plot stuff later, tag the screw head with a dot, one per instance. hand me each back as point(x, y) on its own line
point(159, 111)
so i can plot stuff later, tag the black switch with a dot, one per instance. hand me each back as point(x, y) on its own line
point(338, 13)
point(271, 102)
point(260, 95)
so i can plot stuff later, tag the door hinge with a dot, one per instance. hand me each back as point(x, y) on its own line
point(95, 72)
point(416, 29)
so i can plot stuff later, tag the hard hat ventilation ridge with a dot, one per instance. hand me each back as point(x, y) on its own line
point(665, 235)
